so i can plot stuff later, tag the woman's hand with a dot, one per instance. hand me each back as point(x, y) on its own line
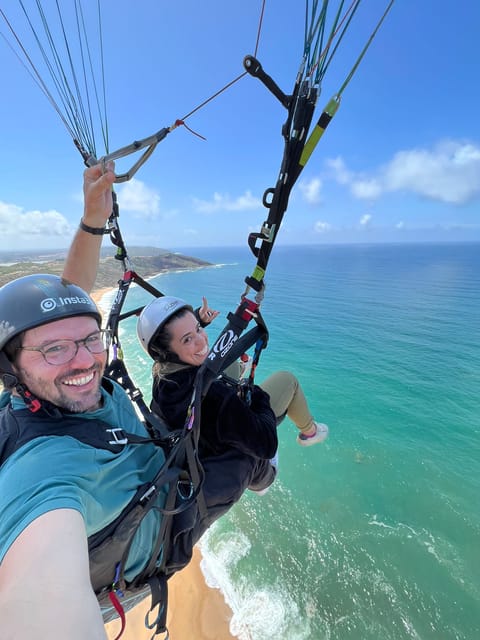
point(206, 314)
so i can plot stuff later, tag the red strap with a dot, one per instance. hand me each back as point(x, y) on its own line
point(195, 133)
point(119, 609)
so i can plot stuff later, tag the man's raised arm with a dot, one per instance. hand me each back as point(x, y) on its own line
point(83, 256)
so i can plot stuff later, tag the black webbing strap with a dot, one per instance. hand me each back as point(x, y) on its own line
point(156, 427)
point(227, 348)
point(115, 314)
point(163, 536)
point(300, 107)
point(229, 345)
point(158, 581)
point(159, 591)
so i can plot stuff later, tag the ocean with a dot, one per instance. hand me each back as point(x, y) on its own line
point(375, 534)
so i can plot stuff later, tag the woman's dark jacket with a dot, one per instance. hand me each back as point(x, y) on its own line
point(236, 441)
point(226, 420)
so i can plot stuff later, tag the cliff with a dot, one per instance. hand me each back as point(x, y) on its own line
point(146, 261)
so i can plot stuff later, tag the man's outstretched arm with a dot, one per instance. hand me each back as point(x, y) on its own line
point(45, 589)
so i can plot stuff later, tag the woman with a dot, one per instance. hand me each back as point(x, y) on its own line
point(172, 334)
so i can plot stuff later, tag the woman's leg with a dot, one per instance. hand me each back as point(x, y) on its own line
point(287, 397)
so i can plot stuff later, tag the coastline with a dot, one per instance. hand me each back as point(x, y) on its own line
point(195, 610)
point(97, 294)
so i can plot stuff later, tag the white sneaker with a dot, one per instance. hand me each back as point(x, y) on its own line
point(262, 492)
point(321, 434)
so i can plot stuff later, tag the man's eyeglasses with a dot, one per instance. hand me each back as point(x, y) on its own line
point(63, 351)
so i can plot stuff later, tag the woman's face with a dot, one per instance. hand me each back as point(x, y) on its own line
point(188, 340)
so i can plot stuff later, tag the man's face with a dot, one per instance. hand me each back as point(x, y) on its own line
point(74, 386)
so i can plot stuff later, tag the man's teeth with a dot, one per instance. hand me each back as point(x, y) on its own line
point(78, 382)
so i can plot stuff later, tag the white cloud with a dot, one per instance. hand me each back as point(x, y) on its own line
point(311, 190)
point(365, 220)
point(448, 172)
point(322, 227)
point(366, 189)
point(340, 171)
point(135, 196)
point(14, 221)
point(223, 202)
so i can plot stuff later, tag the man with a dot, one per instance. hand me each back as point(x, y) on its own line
point(56, 491)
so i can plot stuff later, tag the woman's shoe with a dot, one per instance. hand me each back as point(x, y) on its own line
point(321, 433)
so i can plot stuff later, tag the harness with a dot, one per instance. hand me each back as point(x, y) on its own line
point(179, 478)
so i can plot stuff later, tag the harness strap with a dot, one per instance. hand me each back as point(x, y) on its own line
point(162, 537)
point(229, 346)
point(156, 427)
point(194, 465)
point(115, 316)
point(159, 590)
point(119, 609)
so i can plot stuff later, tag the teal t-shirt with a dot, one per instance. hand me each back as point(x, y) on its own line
point(63, 473)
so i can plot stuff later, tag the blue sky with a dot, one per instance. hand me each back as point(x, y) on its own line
point(399, 162)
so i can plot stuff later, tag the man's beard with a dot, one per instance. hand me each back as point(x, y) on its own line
point(55, 391)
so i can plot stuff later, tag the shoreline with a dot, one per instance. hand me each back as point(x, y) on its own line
point(97, 294)
point(195, 610)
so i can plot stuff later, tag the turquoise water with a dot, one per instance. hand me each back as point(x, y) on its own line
point(375, 534)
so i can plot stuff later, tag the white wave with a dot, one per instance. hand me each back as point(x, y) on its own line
point(219, 265)
point(260, 612)
point(105, 302)
point(265, 613)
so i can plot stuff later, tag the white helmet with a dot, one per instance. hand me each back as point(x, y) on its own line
point(153, 318)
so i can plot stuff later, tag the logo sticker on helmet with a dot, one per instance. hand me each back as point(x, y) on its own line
point(173, 304)
point(49, 304)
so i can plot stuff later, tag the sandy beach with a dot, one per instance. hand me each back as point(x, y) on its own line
point(97, 294)
point(195, 611)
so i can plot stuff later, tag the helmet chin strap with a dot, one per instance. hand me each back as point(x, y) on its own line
point(32, 402)
point(11, 382)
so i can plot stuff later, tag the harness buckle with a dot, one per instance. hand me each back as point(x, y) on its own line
point(148, 494)
point(116, 439)
point(185, 489)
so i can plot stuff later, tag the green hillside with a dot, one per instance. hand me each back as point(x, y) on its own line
point(146, 261)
